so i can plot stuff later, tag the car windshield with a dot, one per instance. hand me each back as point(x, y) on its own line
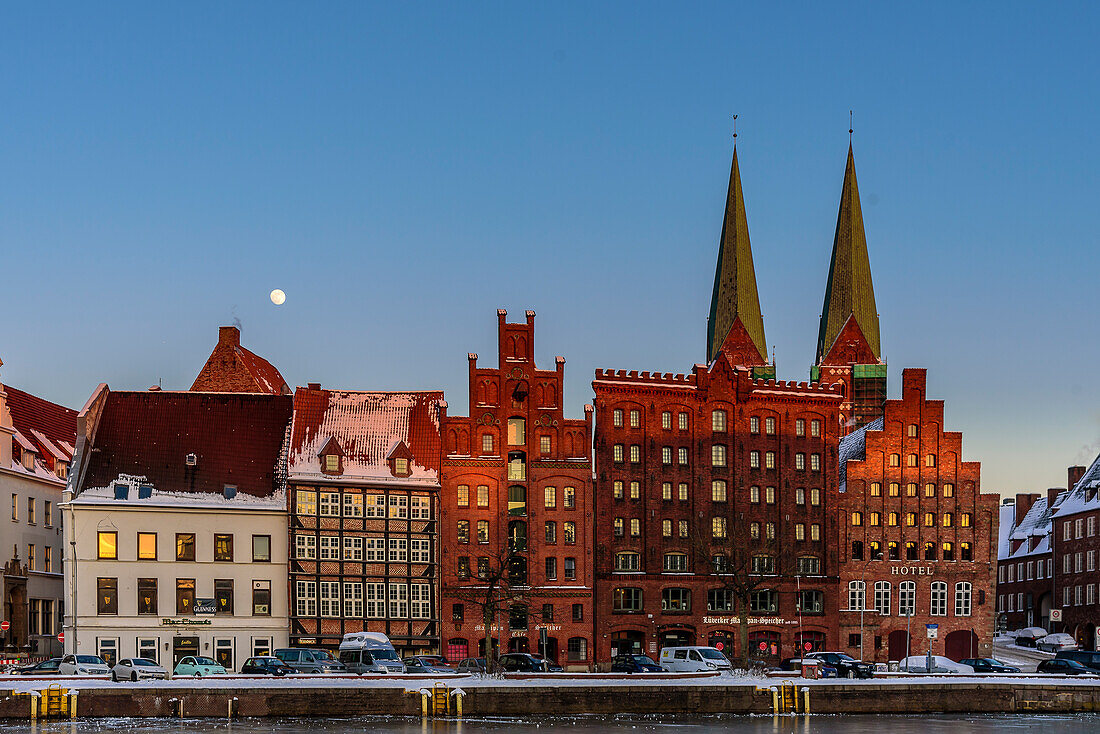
point(711, 654)
point(323, 655)
point(204, 661)
point(643, 660)
point(1073, 664)
point(384, 654)
point(992, 661)
point(140, 662)
point(90, 659)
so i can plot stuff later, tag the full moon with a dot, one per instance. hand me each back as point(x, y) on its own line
point(278, 297)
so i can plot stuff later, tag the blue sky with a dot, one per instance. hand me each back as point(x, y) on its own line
point(402, 170)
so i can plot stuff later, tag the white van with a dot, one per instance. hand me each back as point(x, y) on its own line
point(693, 659)
point(369, 652)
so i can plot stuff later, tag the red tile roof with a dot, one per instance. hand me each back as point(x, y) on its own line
point(236, 438)
point(366, 425)
point(222, 374)
point(48, 427)
point(267, 378)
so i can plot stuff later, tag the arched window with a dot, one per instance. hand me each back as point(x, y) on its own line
point(769, 426)
point(965, 552)
point(857, 550)
point(875, 548)
point(938, 606)
point(962, 599)
point(857, 593)
point(892, 519)
point(907, 598)
point(929, 551)
point(911, 460)
point(517, 500)
point(874, 519)
point(911, 551)
point(948, 551)
point(718, 421)
point(517, 432)
point(882, 597)
point(895, 459)
point(857, 518)
point(913, 430)
point(948, 519)
point(892, 549)
point(628, 561)
point(930, 460)
point(718, 455)
point(718, 490)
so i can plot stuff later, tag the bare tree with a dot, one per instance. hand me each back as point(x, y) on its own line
point(498, 583)
point(748, 560)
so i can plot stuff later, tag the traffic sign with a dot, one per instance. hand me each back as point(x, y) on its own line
point(60, 636)
point(5, 626)
point(1055, 615)
point(807, 646)
point(763, 646)
point(933, 631)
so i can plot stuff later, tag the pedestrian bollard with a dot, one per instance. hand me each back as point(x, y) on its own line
point(775, 699)
point(34, 705)
point(459, 694)
point(72, 703)
point(805, 699)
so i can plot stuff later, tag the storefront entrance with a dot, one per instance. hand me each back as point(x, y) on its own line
point(182, 647)
point(676, 638)
point(627, 642)
point(518, 644)
point(725, 641)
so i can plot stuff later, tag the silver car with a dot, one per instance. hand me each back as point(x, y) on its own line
point(83, 665)
point(308, 660)
point(135, 669)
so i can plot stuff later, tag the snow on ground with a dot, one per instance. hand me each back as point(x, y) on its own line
point(414, 684)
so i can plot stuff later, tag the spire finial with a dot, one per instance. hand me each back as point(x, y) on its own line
point(850, 126)
point(735, 129)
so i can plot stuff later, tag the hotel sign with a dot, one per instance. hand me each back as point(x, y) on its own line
point(912, 570)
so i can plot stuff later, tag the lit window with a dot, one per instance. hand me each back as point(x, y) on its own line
point(769, 426)
point(666, 528)
point(930, 490)
point(895, 489)
point(487, 443)
point(815, 532)
point(717, 527)
point(769, 495)
point(754, 425)
point(857, 518)
point(815, 428)
point(617, 453)
point(517, 432)
point(666, 455)
point(800, 461)
point(718, 490)
point(930, 460)
point(718, 455)
point(683, 456)
point(913, 430)
point(718, 421)
point(635, 527)
point(683, 491)
point(800, 427)
point(682, 420)
point(544, 445)
point(876, 489)
point(815, 462)
point(107, 545)
point(666, 491)
point(754, 459)
point(754, 495)
point(635, 418)
point(911, 460)
point(895, 459)
point(617, 417)
point(635, 453)
point(800, 496)
point(550, 495)
point(949, 490)
point(666, 420)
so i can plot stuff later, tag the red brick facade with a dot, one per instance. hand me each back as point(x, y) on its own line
point(687, 465)
point(1025, 572)
point(1076, 540)
point(517, 471)
point(916, 528)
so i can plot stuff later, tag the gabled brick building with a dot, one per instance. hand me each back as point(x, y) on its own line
point(917, 534)
point(232, 368)
point(517, 486)
point(1025, 569)
point(1076, 538)
point(363, 476)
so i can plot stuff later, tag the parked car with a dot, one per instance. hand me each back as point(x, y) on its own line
point(198, 666)
point(549, 665)
point(521, 662)
point(1056, 642)
point(46, 667)
point(634, 664)
point(1063, 667)
point(846, 666)
point(83, 665)
point(1027, 636)
point(989, 665)
point(1088, 658)
point(693, 659)
point(135, 669)
point(437, 660)
point(795, 664)
point(307, 660)
point(423, 665)
point(940, 664)
point(369, 652)
point(266, 665)
point(472, 665)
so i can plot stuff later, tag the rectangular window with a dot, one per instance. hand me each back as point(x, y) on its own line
point(718, 421)
point(550, 496)
point(185, 546)
point(420, 550)
point(330, 598)
point(305, 547)
point(815, 462)
point(682, 453)
point(305, 502)
point(47, 513)
point(107, 596)
point(569, 498)
point(399, 506)
point(635, 418)
point(815, 532)
point(261, 548)
point(550, 529)
point(754, 459)
point(30, 511)
point(769, 495)
point(666, 491)
point(398, 551)
point(47, 564)
point(223, 595)
point(718, 455)
point(682, 420)
point(617, 453)
point(800, 427)
point(483, 496)
point(635, 490)
point(147, 546)
point(635, 453)
point(800, 461)
point(570, 567)
point(305, 601)
point(617, 527)
point(31, 557)
point(482, 531)
point(666, 420)
point(15, 501)
point(421, 599)
point(551, 569)
point(376, 600)
point(635, 527)
point(353, 504)
point(683, 491)
point(261, 598)
point(569, 532)
point(185, 596)
point(666, 455)
point(420, 507)
point(330, 548)
point(463, 495)
point(487, 443)
point(223, 548)
point(399, 601)
point(107, 545)
point(544, 445)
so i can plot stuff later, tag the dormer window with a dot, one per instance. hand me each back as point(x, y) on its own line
point(28, 460)
point(399, 458)
point(332, 458)
point(62, 469)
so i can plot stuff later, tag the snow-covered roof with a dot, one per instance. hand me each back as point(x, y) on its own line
point(853, 447)
point(1033, 529)
point(1085, 495)
point(195, 500)
point(367, 426)
point(40, 428)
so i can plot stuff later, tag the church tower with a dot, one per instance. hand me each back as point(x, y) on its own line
point(848, 346)
point(736, 326)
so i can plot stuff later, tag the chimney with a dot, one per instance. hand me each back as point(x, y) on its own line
point(1074, 476)
point(229, 335)
point(313, 386)
point(1024, 503)
point(1052, 493)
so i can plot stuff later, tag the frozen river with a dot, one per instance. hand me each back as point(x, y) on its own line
point(933, 724)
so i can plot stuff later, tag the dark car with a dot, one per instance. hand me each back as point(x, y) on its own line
point(437, 661)
point(795, 664)
point(46, 667)
point(989, 665)
point(521, 662)
point(472, 665)
point(266, 665)
point(634, 664)
point(1063, 667)
point(422, 664)
point(308, 660)
point(1089, 658)
point(549, 665)
point(846, 665)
